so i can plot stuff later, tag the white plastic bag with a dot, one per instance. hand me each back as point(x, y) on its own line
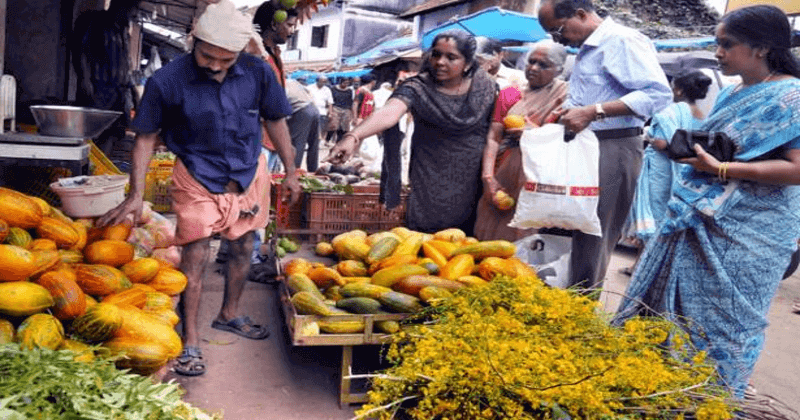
point(562, 188)
point(549, 255)
point(371, 153)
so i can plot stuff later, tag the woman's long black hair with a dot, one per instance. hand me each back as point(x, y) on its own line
point(466, 45)
point(768, 27)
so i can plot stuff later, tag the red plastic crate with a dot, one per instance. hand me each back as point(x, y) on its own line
point(335, 213)
point(287, 216)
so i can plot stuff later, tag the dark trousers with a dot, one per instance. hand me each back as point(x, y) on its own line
point(304, 129)
point(620, 163)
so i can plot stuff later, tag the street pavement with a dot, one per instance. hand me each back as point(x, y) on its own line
point(271, 379)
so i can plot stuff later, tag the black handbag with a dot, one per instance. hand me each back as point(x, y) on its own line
point(716, 143)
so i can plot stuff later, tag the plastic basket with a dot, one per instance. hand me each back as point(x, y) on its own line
point(287, 217)
point(158, 184)
point(100, 163)
point(330, 213)
point(95, 198)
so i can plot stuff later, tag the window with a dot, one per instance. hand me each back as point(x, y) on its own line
point(291, 43)
point(319, 36)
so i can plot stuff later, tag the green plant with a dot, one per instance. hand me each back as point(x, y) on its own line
point(47, 384)
point(517, 349)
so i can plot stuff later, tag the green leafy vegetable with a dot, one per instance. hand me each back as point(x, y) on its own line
point(46, 384)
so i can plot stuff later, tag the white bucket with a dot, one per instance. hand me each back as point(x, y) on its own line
point(90, 196)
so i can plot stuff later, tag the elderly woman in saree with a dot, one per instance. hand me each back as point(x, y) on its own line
point(451, 101)
point(718, 257)
point(502, 159)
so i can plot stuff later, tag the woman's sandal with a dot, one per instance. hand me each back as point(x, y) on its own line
point(190, 362)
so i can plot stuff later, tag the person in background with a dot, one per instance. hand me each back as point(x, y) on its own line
point(658, 172)
point(273, 35)
point(451, 100)
point(382, 94)
point(502, 158)
point(207, 106)
point(490, 56)
point(716, 261)
point(615, 86)
point(100, 56)
point(303, 124)
point(323, 100)
point(341, 117)
point(364, 101)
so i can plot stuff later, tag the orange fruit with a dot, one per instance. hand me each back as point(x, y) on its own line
point(514, 121)
point(502, 200)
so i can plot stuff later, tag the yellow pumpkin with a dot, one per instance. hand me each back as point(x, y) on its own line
point(111, 252)
point(19, 210)
point(63, 234)
point(16, 263)
point(141, 270)
point(169, 281)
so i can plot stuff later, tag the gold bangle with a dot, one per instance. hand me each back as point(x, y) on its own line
point(722, 171)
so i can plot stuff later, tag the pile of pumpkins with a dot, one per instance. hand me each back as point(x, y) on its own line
point(396, 271)
point(65, 284)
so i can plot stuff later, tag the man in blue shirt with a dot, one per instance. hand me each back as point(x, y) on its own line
point(208, 106)
point(615, 86)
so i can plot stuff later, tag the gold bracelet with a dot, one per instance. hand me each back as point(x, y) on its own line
point(722, 171)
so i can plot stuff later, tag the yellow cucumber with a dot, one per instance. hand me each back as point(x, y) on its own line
point(389, 276)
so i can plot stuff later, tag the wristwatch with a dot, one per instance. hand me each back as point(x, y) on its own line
point(600, 113)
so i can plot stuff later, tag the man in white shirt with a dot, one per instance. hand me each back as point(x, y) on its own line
point(323, 100)
point(490, 55)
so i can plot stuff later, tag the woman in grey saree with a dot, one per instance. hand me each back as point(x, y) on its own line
point(716, 261)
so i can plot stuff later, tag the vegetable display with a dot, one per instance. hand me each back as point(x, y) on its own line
point(386, 272)
point(54, 270)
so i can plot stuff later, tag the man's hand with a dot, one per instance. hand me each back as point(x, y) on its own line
point(291, 189)
point(342, 151)
point(131, 205)
point(576, 119)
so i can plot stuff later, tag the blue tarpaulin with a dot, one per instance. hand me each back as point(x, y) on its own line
point(391, 48)
point(312, 75)
point(660, 44)
point(493, 22)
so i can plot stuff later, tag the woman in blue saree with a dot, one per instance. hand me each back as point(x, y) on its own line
point(718, 257)
point(655, 181)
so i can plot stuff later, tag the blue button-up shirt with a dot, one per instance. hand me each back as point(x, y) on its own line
point(212, 127)
point(618, 63)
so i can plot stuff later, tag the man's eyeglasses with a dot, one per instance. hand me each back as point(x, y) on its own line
point(556, 34)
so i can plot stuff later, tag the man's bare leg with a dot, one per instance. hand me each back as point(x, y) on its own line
point(194, 259)
point(239, 254)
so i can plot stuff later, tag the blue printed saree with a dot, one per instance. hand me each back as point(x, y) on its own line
point(654, 187)
point(718, 257)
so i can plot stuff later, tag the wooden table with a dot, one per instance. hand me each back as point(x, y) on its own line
point(295, 323)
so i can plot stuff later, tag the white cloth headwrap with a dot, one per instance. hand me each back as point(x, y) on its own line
point(224, 26)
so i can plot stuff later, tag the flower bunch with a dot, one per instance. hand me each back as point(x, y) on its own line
point(518, 349)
